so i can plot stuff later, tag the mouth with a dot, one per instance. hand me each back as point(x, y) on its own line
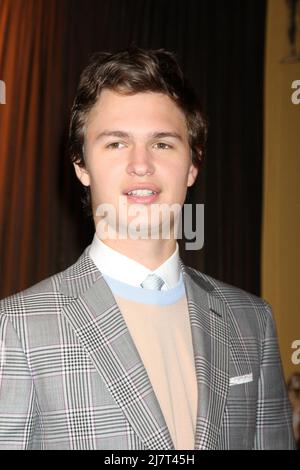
point(146, 194)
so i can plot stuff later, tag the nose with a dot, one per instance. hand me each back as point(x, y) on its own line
point(140, 162)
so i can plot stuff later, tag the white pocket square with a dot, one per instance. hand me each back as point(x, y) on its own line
point(241, 379)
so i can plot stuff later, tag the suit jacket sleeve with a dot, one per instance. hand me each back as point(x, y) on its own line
point(274, 421)
point(18, 414)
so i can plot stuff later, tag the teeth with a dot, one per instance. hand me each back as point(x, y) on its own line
point(141, 192)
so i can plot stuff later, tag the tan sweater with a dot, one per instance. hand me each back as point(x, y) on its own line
point(162, 336)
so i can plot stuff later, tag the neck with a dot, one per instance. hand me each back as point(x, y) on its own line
point(150, 253)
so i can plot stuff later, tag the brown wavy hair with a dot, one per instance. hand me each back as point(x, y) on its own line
point(132, 71)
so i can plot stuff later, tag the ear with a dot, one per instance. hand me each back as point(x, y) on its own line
point(192, 175)
point(82, 174)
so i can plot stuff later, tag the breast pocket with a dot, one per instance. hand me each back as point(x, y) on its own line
point(241, 409)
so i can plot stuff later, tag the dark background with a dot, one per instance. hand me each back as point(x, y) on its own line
point(44, 46)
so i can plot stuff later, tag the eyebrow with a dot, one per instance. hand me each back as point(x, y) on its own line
point(126, 135)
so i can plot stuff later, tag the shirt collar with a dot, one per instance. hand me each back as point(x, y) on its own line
point(124, 269)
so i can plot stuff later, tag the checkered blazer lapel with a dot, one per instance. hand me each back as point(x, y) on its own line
point(98, 323)
point(208, 317)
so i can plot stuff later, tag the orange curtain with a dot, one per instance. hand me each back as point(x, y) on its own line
point(31, 66)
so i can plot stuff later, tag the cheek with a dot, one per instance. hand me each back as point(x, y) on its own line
point(176, 175)
point(98, 169)
point(105, 180)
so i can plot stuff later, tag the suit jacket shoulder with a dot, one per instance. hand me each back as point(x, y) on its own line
point(246, 308)
point(50, 289)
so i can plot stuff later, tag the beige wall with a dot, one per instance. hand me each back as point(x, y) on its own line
point(281, 220)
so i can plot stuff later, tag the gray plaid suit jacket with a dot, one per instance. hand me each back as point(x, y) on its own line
point(71, 376)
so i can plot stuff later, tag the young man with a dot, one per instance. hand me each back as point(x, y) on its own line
point(128, 348)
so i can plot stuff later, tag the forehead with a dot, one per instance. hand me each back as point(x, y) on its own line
point(137, 111)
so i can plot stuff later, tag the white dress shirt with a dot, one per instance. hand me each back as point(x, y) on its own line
point(124, 269)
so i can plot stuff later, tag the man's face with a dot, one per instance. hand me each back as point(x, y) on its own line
point(135, 142)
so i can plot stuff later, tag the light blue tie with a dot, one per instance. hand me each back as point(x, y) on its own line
point(153, 282)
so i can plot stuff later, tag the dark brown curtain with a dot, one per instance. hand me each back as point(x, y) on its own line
point(44, 44)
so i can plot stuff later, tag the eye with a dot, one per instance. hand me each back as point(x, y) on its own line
point(163, 146)
point(115, 145)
